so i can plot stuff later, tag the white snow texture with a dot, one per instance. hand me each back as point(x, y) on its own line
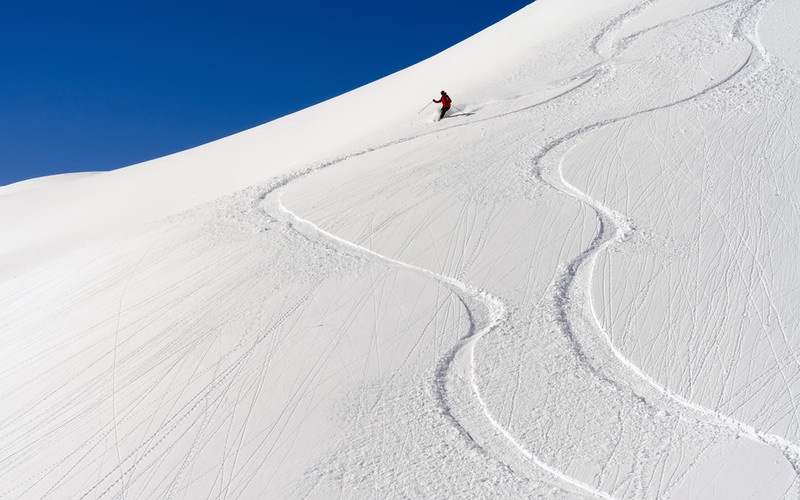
point(583, 283)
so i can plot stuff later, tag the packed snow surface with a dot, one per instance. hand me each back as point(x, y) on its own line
point(582, 283)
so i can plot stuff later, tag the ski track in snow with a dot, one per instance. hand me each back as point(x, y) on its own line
point(496, 310)
point(615, 228)
point(463, 291)
point(622, 229)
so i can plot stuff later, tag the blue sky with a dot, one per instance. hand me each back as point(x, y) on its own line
point(100, 85)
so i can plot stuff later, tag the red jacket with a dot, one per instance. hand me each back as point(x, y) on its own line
point(445, 100)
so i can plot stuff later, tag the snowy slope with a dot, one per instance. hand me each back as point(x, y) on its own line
point(580, 285)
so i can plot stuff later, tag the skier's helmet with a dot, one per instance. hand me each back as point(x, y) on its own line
point(443, 92)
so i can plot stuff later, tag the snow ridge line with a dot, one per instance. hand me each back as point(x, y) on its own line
point(497, 314)
point(744, 28)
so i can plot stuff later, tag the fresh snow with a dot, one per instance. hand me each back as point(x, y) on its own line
point(581, 284)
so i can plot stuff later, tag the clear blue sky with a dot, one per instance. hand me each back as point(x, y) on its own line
point(100, 85)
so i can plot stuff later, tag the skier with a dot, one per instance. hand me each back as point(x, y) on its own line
point(446, 101)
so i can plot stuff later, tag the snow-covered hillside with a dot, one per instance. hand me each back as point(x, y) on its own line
point(581, 284)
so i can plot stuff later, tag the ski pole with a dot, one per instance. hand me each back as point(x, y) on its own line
point(459, 109)
point(423, 109)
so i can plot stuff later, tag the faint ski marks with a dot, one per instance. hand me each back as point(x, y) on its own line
point(114, 366)
point(209, 395)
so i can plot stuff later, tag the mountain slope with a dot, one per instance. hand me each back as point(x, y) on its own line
point(580, 284)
